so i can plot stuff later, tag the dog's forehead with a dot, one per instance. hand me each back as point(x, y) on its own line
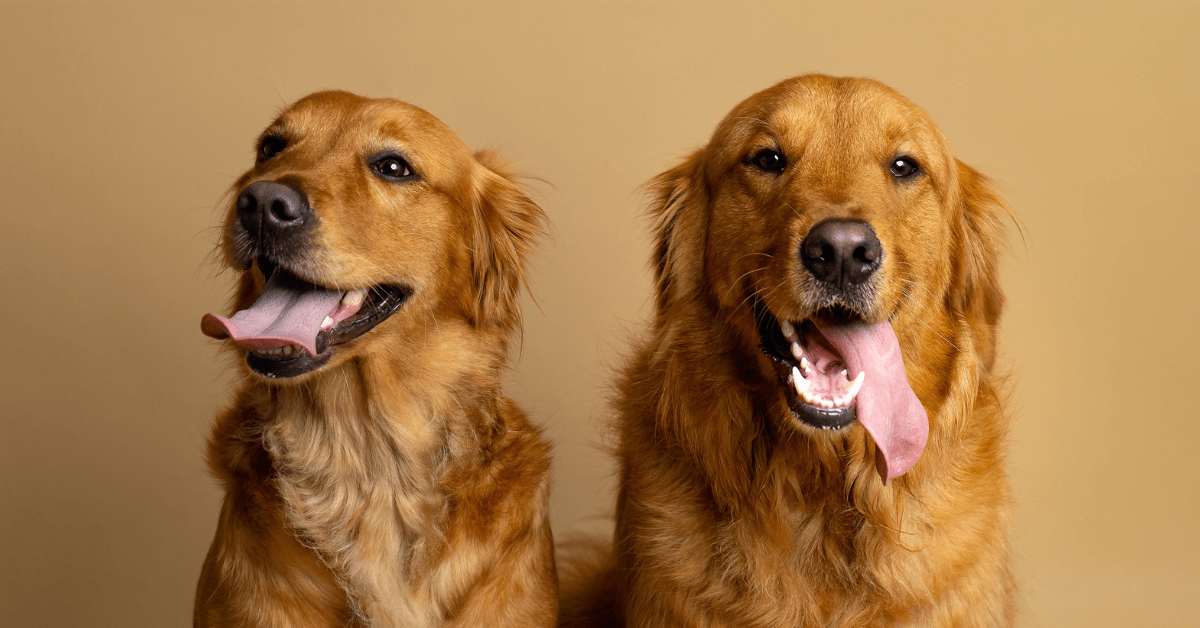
point(854, 112)
point(337, 110)
point(845, 115)
point(370, 125)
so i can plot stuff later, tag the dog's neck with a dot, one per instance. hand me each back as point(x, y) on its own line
point(366, 444)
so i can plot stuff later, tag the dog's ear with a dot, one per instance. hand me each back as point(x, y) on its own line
point(678, 210)
point(507, 224)
point(975, 293)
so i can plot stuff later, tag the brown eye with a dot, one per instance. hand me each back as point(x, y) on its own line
point(270, 146)
point(904, 167)
point(769, 160)
point(392, 167)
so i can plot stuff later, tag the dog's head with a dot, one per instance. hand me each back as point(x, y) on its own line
point(829, 223)
point(368, 214)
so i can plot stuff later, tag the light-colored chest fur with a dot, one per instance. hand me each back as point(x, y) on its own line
point(358, 472)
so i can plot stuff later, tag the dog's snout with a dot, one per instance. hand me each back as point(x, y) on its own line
point(841, 252)
point(272, 208)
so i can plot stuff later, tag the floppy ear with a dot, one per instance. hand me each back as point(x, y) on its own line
point(678, 210)
point(975, 293)
point(506, 226)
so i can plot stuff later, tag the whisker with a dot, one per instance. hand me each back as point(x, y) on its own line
point(927, 325)
point(744, 275)
point(794, 210)
point(914, 284)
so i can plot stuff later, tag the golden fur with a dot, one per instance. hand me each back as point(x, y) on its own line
point(396, 485)
point(730, 511)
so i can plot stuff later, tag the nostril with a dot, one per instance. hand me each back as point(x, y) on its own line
point(284, 211)
point(866, 254)
point(818, 251)
point(247, 211)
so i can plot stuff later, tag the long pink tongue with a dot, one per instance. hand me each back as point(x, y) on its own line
point(285, 313)
point(886, 405)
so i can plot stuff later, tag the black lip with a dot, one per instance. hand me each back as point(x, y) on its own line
point(775, 347)
point(277, 368)
point(380, 303)
point(824, 418)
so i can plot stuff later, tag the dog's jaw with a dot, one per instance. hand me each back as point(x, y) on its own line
point(300, 348)
point(820, 392)
point(835, 371)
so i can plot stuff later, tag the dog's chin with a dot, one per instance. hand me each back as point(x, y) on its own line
point(274, 368)
point(816, 406)
point(378, 305)
point(812, 416)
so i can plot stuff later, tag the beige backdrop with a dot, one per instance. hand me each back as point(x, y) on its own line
point(121, 126)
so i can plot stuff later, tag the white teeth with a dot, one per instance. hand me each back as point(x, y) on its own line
point(353, 297)
point(802, 385)
point(285, 351)
point(327, 323)
point(855, 385)
point(814, 398)
point(804, 366)
point(788, 331)
point(844, 374)
point(797, 352)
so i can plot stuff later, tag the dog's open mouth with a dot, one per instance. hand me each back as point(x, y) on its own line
point(836, 368)
point(820, 390)
point(294, 325)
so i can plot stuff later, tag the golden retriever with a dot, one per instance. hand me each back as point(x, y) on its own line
point(812, 432)
point(374, 472)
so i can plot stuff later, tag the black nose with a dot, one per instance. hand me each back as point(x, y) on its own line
point(841, 252)
point(268, 209)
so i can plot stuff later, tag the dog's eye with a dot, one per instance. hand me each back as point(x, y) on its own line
point(270, 146)
point(769, 160)
point(392, 167)
point(904, 167)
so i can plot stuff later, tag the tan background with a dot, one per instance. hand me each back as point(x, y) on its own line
point(121, 127)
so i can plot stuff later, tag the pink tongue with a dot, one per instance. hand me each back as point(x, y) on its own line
point(886, 405)
point(285, 313)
